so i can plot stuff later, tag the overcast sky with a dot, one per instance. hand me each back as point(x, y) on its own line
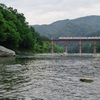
point(48, 11)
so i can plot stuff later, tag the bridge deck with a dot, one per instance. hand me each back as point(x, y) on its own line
point(75, 39)
point(80, 38)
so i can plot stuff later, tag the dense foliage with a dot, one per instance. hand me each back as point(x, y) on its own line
point(16, 34)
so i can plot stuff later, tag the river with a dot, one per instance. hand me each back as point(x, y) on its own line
point(49, 78)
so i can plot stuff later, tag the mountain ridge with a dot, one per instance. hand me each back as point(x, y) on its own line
point(82, 26)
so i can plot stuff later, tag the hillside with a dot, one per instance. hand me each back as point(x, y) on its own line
point(83, 26)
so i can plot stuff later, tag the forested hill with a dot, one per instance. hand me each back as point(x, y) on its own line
point(16, 34)
point(84, 26)
point(14, 30)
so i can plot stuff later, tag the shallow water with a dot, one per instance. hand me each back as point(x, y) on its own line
point(53, 78)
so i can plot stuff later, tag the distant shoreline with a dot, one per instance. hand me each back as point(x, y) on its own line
point(55, 55)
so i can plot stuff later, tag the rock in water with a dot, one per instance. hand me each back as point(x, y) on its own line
point(4, 52)
point(86, 80)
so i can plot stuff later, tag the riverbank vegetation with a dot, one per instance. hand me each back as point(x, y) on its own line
point(16, 34)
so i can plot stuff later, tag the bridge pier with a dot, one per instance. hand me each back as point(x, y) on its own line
point(94, 47)
point(80, 47)
point(52, 46)
point(66, 48)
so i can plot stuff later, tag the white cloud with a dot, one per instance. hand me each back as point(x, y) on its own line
point(47, 11)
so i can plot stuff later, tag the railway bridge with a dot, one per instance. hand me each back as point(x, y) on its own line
point(74, 39)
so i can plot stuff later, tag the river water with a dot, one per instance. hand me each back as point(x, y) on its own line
point(49, 78)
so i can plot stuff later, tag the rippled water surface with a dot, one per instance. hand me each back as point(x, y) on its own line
point(53, 78)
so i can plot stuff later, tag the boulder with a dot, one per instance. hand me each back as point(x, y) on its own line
point(4, 52)
point(86, 80)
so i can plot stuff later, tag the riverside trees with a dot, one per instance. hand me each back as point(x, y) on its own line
point(16, 34)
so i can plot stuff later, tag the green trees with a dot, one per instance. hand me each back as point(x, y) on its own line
point(15, 32)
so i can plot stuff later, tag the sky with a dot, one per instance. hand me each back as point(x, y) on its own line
point(49, 11)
